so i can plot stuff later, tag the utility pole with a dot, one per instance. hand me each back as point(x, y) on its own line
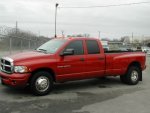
point(99, 34)
point(132, 37)
point(16, 27)
point(143, 40)
point(132, 40)
point(39, 33)
point(56, 18)
point(62, 33)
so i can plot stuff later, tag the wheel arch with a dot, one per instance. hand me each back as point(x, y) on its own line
point(49, 70)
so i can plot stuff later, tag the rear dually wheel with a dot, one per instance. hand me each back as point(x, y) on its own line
point(132, 76)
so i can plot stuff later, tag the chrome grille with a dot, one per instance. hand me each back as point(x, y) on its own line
point(6, 65)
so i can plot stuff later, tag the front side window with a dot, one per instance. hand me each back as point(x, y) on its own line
point(77, 46)
point(92, 47)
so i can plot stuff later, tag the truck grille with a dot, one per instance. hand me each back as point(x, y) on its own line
point(6, 65)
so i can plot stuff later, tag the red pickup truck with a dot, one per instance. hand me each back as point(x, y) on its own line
point(66, 59)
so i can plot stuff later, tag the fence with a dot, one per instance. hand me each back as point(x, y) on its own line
point(15, 40)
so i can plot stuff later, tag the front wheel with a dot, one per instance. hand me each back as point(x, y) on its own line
point(41, 83)
point(132, 76)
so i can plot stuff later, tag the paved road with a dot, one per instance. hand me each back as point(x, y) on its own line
point(86, 96)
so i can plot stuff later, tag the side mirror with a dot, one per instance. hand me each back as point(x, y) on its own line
point(67, 52)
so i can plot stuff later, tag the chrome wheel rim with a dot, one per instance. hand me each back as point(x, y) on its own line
point(134, 76)
point(42, 84)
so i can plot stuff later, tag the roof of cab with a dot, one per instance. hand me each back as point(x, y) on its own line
point(76, 38)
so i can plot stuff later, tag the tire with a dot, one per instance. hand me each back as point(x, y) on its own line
point(132, 76)
point(41, 83)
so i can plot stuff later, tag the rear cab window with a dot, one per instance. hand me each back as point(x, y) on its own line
point(92, 47)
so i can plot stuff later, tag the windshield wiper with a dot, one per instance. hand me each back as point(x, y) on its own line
point(42, 50)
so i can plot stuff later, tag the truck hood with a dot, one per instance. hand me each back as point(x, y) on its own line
point(25, 56)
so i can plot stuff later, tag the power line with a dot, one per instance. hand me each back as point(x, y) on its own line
point(101, 6)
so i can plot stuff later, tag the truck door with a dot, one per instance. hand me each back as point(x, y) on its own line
point(71, 67)
point(95, 60)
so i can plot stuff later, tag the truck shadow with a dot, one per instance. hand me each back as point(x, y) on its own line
point(71, 86)
point(108, 82)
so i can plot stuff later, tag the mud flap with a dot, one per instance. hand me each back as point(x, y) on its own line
point(141, 77)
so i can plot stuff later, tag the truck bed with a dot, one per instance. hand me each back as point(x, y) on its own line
point(117, 62)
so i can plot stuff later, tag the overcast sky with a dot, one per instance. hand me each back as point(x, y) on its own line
point(38, 16)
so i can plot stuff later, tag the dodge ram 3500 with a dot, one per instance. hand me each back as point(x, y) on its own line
point(66, 59)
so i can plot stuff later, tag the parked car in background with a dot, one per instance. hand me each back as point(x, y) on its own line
point(148, 52)
point(105, 45)
point(139, 48)
point(145, 49)
point(125, 49)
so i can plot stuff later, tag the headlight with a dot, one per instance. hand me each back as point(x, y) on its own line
point(20, 69)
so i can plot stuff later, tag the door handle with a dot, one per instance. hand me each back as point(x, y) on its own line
point(82, 59)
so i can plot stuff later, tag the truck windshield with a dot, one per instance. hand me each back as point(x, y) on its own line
point(51, 46)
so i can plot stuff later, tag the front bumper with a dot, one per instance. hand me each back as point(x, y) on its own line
point(15, 79)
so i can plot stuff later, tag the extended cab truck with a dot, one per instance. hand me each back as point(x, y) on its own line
point(61, 60)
